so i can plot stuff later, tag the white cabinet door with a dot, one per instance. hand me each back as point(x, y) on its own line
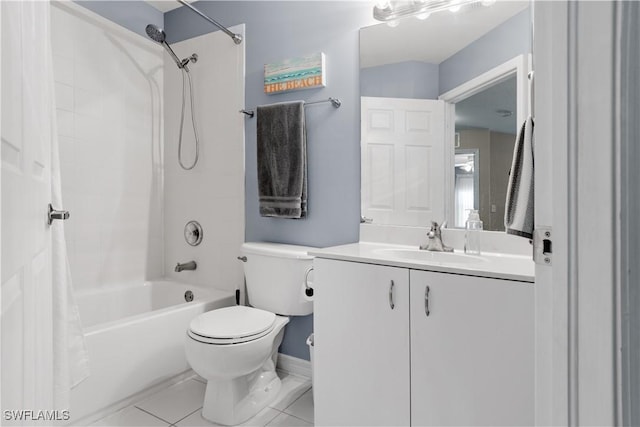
point(403, 160)
point(361, 327)
point(472, 356)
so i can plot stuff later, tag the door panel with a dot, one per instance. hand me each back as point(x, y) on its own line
point(25, 141)
point(361, 344)
point(472, 357)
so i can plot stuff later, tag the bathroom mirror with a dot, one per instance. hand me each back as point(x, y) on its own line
point(441, 102)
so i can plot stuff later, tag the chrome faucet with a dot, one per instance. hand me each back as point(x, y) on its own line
point(435, 239)
point(191, 265)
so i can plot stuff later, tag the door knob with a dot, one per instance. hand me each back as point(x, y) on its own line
point(56, 214)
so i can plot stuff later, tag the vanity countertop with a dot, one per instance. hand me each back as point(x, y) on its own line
point(493, 265)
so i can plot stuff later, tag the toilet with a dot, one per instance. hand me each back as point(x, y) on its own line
point(236, 348)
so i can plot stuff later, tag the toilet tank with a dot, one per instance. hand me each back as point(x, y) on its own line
point(275, 275)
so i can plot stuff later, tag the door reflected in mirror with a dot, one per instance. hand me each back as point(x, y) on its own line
point(441, 103)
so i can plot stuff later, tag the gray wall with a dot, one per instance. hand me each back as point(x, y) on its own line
point(280, 30)
point(409, 79)
point(501, 157)
point(134, 15)
point(630, 201)
point(508, 40)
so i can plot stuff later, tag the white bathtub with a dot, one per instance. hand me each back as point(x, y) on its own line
point(135, 338)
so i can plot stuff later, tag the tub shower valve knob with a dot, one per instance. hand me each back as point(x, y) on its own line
point(191, 265)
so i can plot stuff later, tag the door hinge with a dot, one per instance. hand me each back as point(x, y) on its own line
point(543, 246)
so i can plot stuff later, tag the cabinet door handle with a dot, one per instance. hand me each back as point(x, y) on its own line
point(391, 303)
point(426, 301)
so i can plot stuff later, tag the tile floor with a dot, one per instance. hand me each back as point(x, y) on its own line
point(180, 405)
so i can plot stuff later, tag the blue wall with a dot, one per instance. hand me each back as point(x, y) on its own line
point(513, 38)
point(417, 80)
point(280, 30)
point(134, 15)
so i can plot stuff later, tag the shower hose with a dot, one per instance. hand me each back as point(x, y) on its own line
point(185, 73)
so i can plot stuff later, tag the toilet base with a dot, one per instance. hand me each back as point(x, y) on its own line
point(234, 401)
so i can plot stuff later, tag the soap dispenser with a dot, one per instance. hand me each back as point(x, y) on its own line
point(472, 234)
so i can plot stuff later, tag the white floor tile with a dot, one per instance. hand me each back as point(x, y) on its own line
point(303, 407)
point(260, 420)
point(263, 418)
point(288, 420)
point(195, 420)
point(292, 388)
point(176, 402)
point(130, 416)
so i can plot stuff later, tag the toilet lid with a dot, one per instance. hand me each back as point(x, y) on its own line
point(233, 323)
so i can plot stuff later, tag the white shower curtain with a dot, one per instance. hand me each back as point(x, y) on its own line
point(70, 355)
point(53, 358)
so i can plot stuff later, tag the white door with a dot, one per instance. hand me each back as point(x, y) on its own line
point(26, 191)
point(472, 353)
point(403, 160)
point(361, 329)
point(582, 117)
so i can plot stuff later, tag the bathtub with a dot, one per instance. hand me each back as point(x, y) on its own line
point(135, 338)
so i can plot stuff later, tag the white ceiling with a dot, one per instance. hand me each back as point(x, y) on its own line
point(434, 39)
point(481, 111)
point(166, 5)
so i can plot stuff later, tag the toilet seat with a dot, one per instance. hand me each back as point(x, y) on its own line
point(231, 325)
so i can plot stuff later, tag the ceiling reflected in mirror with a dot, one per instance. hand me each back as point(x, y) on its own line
point(493, 109)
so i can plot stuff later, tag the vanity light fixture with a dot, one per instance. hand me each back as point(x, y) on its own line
point(388, 11)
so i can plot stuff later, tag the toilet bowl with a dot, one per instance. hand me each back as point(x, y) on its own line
point(236, 348)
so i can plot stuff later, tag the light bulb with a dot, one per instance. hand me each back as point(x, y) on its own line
point(455, 8)
point(393, 24)
point(383, 4)
point(423, 16)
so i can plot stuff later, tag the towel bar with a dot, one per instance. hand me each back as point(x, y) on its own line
point(334, 101)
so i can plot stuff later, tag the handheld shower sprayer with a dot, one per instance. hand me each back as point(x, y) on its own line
point(159, 36)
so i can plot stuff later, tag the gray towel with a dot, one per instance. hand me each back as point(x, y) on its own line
point(518, 212)
point(282, 160)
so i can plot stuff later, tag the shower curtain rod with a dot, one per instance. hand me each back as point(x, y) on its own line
point(237, 38)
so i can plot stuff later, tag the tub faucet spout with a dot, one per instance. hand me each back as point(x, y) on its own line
point(191, 265)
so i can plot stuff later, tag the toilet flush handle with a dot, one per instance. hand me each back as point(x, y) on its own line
point(242, 258)
point(308, 290)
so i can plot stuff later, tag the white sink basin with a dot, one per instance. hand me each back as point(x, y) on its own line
point(428, 256)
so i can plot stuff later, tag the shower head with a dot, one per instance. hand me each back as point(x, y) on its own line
point(158, 35)
point(155, 33)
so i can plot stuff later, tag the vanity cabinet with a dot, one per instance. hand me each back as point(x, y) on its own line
point(472, 351)
point(453, 350)
point(361, 344)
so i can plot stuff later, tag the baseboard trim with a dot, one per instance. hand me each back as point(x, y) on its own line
point(293, 365)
